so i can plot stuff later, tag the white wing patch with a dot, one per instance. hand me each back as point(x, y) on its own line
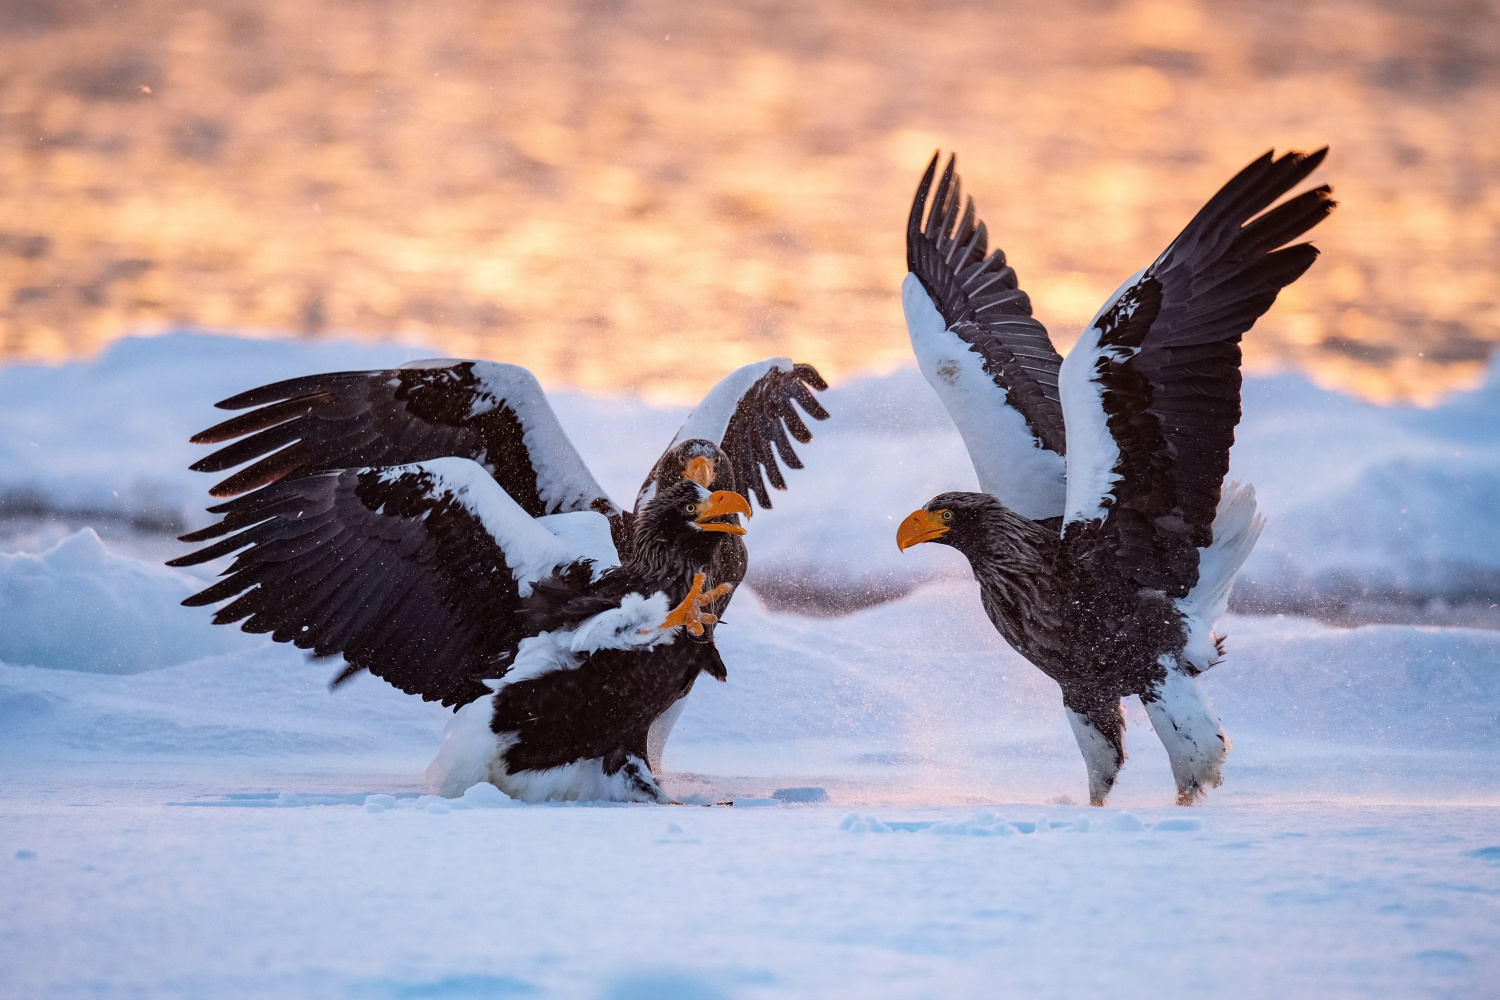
point(429, 363)
point(562, 479)
point(710, 418)
point(531, 551)
point(1092, 452)
point(585, 532)
point(631, 625)
point(1010, 462)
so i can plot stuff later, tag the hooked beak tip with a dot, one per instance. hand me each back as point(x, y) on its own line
point(918, 527)
point(722, 503)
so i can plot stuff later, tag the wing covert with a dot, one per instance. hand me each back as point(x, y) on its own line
point(493, 413)
point(988, 359)
point(1151, 391)
point(751, 417)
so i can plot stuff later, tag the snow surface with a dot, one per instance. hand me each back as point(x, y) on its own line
point(187, 811)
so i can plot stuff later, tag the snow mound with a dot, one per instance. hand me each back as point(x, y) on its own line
point(1369, 504)
point(108, 437)
point(1368, 507)
point(77, 606)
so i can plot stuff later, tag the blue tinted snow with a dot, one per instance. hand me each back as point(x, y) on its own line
point(806, 794)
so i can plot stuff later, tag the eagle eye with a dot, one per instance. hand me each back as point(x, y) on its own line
point(947, 515)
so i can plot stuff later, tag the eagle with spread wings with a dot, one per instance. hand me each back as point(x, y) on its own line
point(434, 525)
point(1104, 537)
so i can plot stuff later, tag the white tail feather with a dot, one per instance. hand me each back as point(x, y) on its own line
point(1237, 525)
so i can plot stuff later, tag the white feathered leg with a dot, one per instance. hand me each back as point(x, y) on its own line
point(468, 752)
point(1101, 738)
point(1189, 729)
point(656, 736)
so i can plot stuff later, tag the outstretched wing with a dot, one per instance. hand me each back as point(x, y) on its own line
point(413, 572)
point(1151, 392)
point(495, 414)
point(750, 417)
point(990, 362)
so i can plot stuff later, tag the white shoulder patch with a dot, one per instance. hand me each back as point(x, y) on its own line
point(1092, 452)
point(710, 418)
point(586, 534)
point(1010, 462)
point(531, 551)
point(562, 479)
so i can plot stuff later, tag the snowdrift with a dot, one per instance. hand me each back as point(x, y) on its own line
point(78, 607)
point(1374, 512)
point(195, 807)
point(849, 661)
point(916, 699)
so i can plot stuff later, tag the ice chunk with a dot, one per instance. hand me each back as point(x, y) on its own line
point(983, 824)
point(1178, 825)
point(77, 606)
point(483, 795)
point(805, 794)
point(1124, 823)
point(854, 823)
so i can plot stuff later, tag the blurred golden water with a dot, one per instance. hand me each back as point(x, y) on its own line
point(641, 195)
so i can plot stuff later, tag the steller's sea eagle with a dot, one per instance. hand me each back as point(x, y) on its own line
point(1105, 541)
point(434, 524)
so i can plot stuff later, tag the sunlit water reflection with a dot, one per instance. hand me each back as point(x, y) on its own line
point(640, 196)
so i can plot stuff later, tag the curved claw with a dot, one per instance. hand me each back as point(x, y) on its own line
point(690, 613)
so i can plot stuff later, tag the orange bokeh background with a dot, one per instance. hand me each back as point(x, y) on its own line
point(641, 195)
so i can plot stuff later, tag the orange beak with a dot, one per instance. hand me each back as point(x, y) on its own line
point(920, 526)
point(700, 470)
point(719, 504)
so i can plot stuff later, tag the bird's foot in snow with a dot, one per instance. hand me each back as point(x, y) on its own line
point(1189, 796)
point(690, 614)
point(641, 784)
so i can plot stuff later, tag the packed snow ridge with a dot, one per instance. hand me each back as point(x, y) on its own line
point(1374, 513)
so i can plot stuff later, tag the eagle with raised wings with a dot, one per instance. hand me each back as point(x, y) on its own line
point(1105, 540)
point(434, 525)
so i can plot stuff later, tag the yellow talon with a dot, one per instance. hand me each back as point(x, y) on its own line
point(689, 613)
